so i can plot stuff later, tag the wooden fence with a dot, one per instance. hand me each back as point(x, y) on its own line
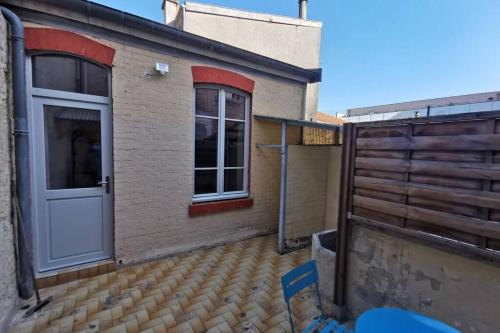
point(321, 137)
point(434, 179)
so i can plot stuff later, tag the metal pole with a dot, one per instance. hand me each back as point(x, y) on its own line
point(284, 157)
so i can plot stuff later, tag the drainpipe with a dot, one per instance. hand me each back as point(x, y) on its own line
point(282, 218)
point(22, 167)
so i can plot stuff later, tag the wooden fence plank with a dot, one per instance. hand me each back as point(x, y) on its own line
point(476, 198)
point(444, 169)
point(456, 142)
point(460, 248)
point(470, 184)
point(460, 223)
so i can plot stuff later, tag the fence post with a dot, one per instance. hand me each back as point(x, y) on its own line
point(342, 225)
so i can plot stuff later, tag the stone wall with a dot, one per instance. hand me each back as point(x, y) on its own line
point(387, 271)
point(8, 292)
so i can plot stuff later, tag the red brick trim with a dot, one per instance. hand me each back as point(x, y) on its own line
point(45, 39)
point(213, 207)
point(212, 75)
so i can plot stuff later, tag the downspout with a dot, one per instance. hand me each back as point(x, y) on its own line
point(282, 248)
point(22, 165)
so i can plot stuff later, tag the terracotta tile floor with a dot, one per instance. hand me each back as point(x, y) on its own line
point(230, 288)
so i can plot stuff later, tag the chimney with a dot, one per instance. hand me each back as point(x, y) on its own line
point(303, 9)
point(171, 12)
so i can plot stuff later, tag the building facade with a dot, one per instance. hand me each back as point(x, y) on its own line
point(291, 40)
point(143, 141)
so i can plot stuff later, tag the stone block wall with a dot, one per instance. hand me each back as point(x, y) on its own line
point(8, 291)
point(387, 271)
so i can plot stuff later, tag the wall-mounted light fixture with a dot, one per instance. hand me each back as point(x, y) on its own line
point(160, 68)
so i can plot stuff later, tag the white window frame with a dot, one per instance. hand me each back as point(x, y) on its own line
point(221, 195)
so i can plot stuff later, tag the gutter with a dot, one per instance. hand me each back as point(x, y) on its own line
point(22, 165)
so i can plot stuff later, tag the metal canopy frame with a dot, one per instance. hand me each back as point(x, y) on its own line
point(282, 248)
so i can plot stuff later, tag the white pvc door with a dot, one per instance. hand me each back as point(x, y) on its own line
point(72, 178)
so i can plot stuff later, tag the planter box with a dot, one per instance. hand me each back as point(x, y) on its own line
point(323, 251)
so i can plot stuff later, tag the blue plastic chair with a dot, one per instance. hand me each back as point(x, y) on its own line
point(298, 279)
point(393, 320)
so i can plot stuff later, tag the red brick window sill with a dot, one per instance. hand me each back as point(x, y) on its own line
point(213, 207)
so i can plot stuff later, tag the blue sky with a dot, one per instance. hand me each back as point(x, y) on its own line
point(386, 51)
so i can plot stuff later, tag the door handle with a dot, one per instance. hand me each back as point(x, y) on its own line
point(105, 182)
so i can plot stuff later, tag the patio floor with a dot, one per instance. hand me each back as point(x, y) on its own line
point(230, 288)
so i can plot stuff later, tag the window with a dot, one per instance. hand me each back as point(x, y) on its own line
point(221, 144)
point(67, 73)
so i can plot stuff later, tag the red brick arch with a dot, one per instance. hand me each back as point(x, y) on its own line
point(203, 74)
point(47, 39)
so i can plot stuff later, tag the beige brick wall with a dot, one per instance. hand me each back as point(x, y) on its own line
point(8, 293)
point(153, 157)
point(333, 187)
point(307, 180)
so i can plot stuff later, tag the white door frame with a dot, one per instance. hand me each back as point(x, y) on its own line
point(37, 97)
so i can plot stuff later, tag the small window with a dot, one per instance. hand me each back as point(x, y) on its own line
point(221, 144)
point(67, 73)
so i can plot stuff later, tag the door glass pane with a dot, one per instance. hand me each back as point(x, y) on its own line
point(235, 106)
point(233, 180)
point(207, 102)
point(205, 181)
point(205, 148)
point(234, 145)
point(66, 73)
point(72, 147)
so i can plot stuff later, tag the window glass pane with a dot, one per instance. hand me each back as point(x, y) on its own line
point(205, 181)
point(72, 147)
point(66, 73)
point(233, 180)
point(205, 149)
point(235, 106)
point(207, 102)
point(55, 72)
point(234, 145)
point(95, 80)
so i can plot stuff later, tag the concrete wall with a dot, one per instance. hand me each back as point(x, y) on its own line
point(387, 271)
point(287, 39)
point(290, 40)
point(8, 292)
point(307, 178)
point(153, 157)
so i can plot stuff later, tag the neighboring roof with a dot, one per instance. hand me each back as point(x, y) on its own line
point(249, 15)
point(422, 104)
point(294, 122)
point(95, 19)
point(327, 118)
